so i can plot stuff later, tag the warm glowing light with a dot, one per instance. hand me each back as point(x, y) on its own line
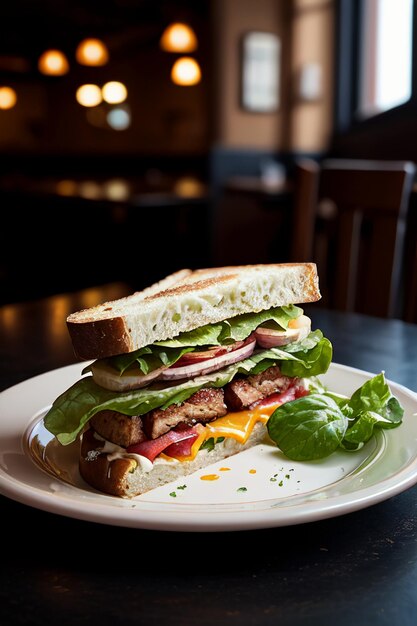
point(114, 92)
point(8, 98)
point(186, 71)
point(116, 189)
point(53, 63)
point(178, 37)
point(189, 187)
point(66, 188)
point(119, 118)
point(88, 95)
point(92, 52)
point(90, 190)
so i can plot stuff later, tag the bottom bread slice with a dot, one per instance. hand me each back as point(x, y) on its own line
point(123, 477)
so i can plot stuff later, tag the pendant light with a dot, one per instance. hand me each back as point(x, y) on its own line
point(53, 63)
point(114, 92)
point(8, 98)
point(89, 95)
point(186, 72)
point(92, 52)
point(178, 37)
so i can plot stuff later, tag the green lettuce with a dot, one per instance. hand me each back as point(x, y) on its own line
point(234, 329)
point(72, 410)
point(147, 359)
point(314, 426)
point(166, 353)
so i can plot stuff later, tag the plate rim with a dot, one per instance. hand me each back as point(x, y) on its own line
point(146, 517)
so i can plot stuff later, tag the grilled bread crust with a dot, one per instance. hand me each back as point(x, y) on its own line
point(187, 300)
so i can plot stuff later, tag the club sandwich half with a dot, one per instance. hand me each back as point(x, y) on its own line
point(187, 372)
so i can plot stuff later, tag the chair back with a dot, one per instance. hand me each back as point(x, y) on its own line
point(367, 237)
point(305, 198)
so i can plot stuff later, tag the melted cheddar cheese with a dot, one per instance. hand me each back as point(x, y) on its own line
point(237, 425)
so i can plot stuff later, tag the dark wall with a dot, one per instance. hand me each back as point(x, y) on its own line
point(390, 135)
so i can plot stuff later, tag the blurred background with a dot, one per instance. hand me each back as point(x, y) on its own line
point(138, 137)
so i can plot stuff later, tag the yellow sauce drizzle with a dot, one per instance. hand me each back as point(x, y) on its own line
point(210, 477)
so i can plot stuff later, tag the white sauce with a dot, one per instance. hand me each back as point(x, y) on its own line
point(114, 452)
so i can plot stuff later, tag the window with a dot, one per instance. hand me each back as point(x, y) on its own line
point(385, 55)
point(376, 48)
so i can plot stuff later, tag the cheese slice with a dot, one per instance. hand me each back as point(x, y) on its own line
point(237, 425)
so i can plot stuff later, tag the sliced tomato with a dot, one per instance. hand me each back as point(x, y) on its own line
point(181, 448)
point(201, 355)
point(210, 353)
point(152, 447)
point(292, 393)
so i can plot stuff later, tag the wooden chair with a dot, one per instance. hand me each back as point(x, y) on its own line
point(364, 268)
point(410, 271)
point(305, 198)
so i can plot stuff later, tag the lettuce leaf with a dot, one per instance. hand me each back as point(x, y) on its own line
point(72, 410)
point(166, 353)
point(234, 329)
point(147, 359)
point(314, 426)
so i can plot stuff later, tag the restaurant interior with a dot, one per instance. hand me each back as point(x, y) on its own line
point(139, 137)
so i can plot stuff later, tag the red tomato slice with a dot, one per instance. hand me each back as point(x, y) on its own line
point(181, 448)
point(152, 447)
point(292, 393)
point(210, 353)
point(202, 355)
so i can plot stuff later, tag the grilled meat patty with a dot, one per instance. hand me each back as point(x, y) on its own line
point(242, 392)
point(120, 429)
point(203, 406)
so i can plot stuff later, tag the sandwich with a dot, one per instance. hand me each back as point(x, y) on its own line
point(187, 372)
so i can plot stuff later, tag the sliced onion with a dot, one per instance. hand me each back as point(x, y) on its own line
point(297, 330)
point(209, 365)
point(109, 378)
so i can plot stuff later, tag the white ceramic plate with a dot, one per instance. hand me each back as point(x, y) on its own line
point(259, 488)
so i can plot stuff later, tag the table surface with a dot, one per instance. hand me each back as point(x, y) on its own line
point(359, 568)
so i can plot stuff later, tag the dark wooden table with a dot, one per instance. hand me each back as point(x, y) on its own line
point(359, 568)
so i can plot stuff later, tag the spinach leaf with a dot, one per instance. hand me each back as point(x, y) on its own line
point(209, 444)
point(308, 428)
point(312, 356)
point(375, 395)
point(363, 429)
point(315, 426)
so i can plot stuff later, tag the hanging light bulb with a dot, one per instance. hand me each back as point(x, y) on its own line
point(178, 37)
point(89, 95)
point(186, 72)
point(8, 98)
point(114, 92)
point(53, 63)
point(92, 52)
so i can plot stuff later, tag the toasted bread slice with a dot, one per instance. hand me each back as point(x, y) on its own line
point(123, 476)
point(187, 300)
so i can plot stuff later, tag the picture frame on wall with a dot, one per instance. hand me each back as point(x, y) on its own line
point(260, 72)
